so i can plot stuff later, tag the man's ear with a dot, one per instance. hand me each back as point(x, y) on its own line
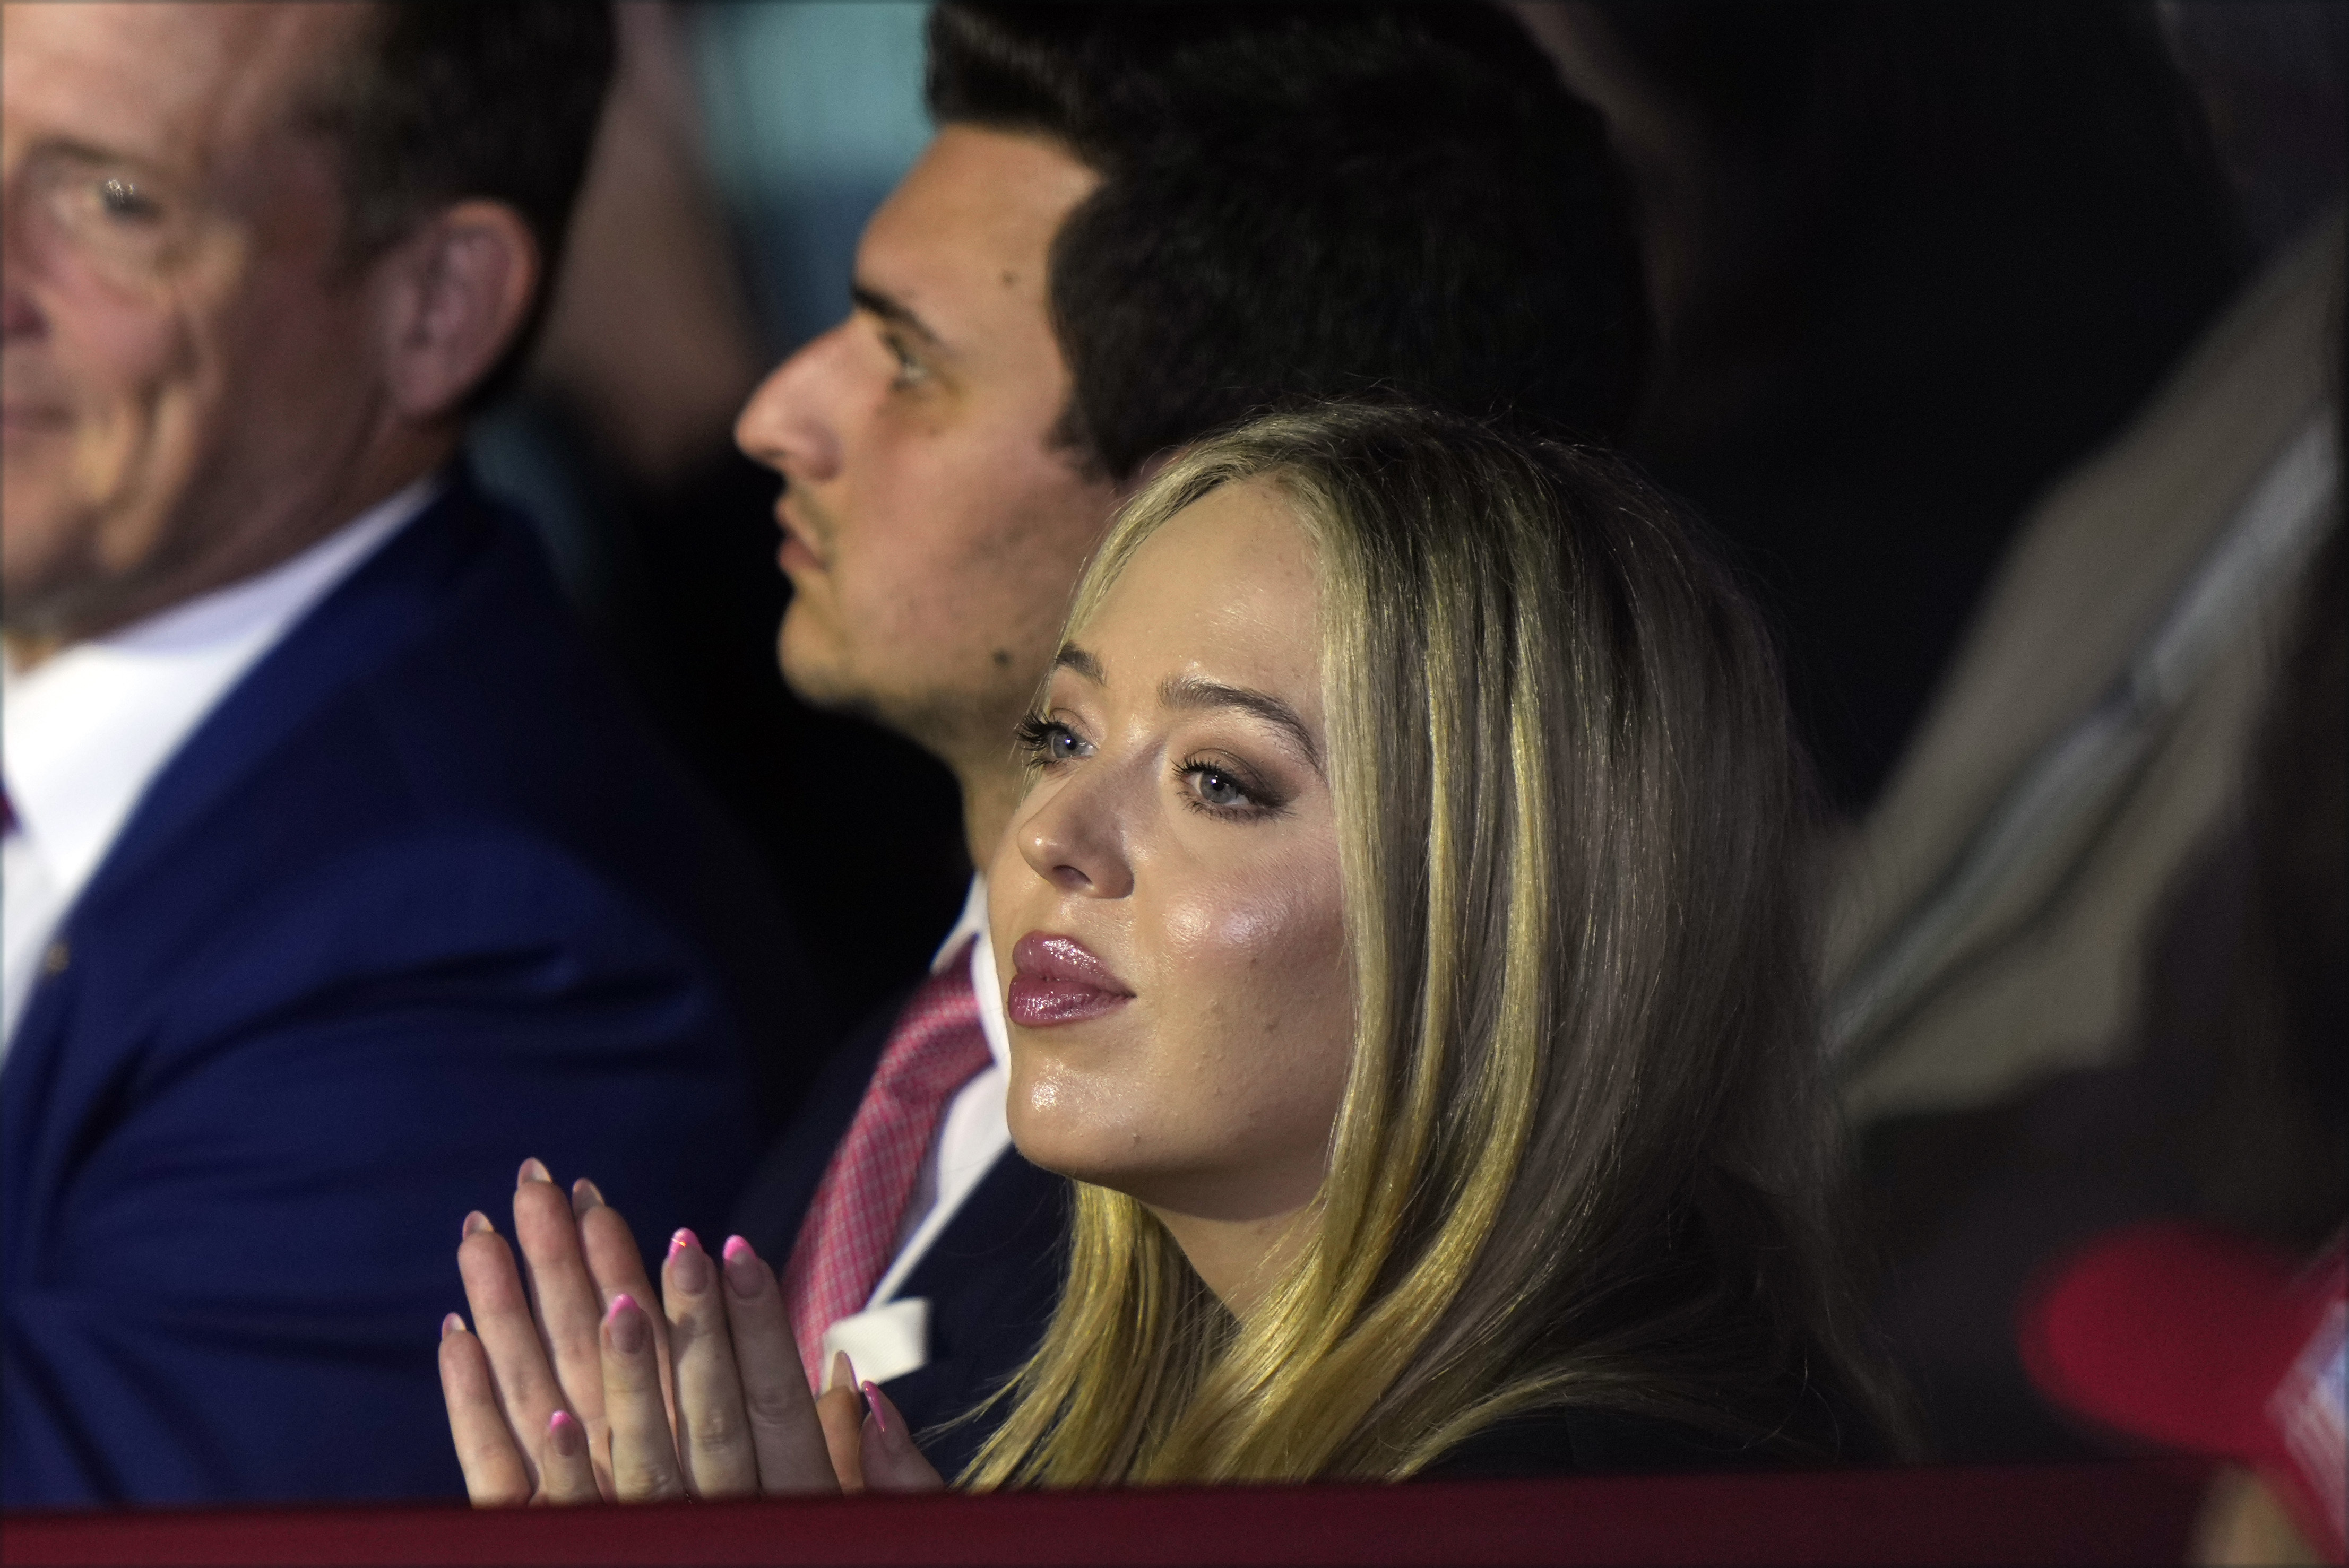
point(453, 293)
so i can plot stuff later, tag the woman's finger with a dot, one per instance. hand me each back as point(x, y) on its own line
point(644, 1455)
point(518, 1369)
point(619, 1269)
point(567, 1474)
point(713, 1432)
point(495, 1473)
point(840, 1410)
point(891, 1461)
point(784, 1432)
point(568, 1311)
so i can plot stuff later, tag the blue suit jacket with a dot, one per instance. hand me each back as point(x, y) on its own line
point(416, 900)
point(991, 1275)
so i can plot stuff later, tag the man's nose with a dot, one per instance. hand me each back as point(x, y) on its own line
point(791, 422)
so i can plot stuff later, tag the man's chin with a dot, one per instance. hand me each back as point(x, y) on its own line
point(820, 673)
point(811, 663)
point(36, 573)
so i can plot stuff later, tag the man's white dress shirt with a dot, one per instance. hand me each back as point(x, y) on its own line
point(84, 732)
point(891, 1336)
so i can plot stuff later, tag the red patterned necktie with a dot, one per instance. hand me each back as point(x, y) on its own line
point(851, 1230)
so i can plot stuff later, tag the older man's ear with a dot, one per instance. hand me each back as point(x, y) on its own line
point(452, 296)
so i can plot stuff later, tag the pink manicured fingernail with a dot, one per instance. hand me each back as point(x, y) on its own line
point(688, 1265)
point(627, 1323)
point(742, 1271)
point(452, 1324)
point(586, 1195)
point(873, 1401)
point(475, 1223)
point(563, 1430)
point(531, 1170)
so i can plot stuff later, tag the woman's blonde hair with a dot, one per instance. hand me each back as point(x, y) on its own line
point(1581, 1158)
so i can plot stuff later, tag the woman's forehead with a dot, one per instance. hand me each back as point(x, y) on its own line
point(1225, 588)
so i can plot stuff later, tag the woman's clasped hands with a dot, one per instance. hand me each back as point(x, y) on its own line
point(576, 1384)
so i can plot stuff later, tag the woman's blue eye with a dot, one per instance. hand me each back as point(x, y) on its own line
point(1219, 788)
point(1048, 740)
point(1228, 792)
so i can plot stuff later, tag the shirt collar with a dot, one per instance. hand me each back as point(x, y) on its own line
point(972, 927)
point(83, 733)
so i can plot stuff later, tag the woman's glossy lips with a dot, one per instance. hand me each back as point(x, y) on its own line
point(1058, 980)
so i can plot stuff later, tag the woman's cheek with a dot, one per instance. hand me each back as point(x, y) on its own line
point(1255, 927)
point(1265, 993)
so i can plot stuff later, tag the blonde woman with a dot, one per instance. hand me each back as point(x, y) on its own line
point(1406, 960)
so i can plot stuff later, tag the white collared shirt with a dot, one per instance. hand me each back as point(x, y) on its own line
point(84, 732)
point(973, 1134)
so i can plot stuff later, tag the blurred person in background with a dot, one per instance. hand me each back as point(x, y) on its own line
point(2226, 1332)
point(325, 834)
point(1909, 263)
point(1949, 348)
point(1137, 224)
point(714, 235)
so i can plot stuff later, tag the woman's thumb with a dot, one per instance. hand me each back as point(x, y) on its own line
point(891, 1461)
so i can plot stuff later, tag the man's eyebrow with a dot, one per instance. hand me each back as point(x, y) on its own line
point(894, 311)
point(1072, 657)
point(87, 152)
point(1191, 691)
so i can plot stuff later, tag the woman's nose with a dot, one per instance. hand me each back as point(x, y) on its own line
point(1073, 840)
point(791, 423)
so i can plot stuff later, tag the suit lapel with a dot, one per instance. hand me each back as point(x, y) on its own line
point(388, 602)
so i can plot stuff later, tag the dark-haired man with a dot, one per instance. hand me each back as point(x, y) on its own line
point(334, 873)
point(1136, 223)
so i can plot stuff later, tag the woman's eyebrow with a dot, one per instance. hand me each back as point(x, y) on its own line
point(1072, 657)
point(1192, 692)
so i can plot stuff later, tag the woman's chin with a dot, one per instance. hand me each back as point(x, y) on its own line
point(1047, 1144)
point(1051, 1136)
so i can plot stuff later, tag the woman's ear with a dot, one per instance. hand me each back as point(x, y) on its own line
point(453, 294)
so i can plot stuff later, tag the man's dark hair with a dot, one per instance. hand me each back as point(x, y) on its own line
point(444, 100)
point(1308, 200)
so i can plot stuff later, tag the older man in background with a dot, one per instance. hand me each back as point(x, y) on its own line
point(334, 873)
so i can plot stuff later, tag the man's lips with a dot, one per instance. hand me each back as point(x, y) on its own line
point(797, 552)
point(1059, 980)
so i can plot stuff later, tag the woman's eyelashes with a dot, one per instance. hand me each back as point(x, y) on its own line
point(1214, 785)
point(1044, 741)
point(1218, 787)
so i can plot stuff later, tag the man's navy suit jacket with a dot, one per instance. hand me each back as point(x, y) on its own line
point(416, 900)
point(992, 1276)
